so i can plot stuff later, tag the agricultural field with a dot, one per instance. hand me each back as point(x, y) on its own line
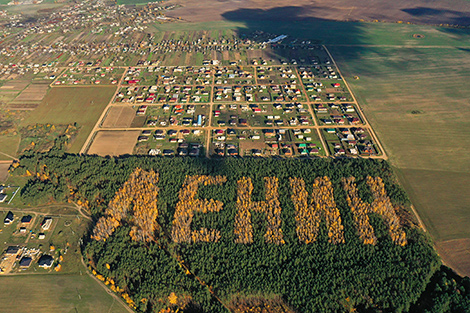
point(56, 293)
point(417, 12)
point(114, 142)
point(419, 110)
point(69, 105)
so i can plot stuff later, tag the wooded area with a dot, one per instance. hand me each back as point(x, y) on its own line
point(207, 267)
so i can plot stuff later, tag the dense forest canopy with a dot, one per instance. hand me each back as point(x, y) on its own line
point(205, 235)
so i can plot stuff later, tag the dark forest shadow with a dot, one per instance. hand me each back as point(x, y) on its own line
point(291, 21)
point(429, 15)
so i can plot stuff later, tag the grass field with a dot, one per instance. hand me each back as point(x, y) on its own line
point(416, 98)
point(55, 293)
point(65, 105)
point(339, 33)
point(8, 146)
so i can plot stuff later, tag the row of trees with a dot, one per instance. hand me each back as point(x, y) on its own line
point(314, 277)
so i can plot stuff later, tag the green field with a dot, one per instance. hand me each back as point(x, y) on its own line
point(66, 105)
point(8, 146)
point(55, 293)
point(416, 98)
point(417, 101)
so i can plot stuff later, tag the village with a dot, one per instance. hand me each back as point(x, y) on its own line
point(34, 242)
point(200, 93)
point(237, 108)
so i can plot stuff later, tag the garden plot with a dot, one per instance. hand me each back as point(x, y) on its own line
point(183, 75)
point(33, 93)
point(187, 115)
point(330, 90)
point(265, 142)
point(182, 142)
point(337, 114)
point(114, 143)
point(163, 94)
point(257, 115)
point(183, 94)
point(303, 55)
point(355, 141)
point(119, 116)
point(288, 91)
point(234, 75)
point(276, 75)
point(90, 76)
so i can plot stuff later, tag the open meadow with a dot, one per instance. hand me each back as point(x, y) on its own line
point(55, 293)
point(416, 98)
point(68, 105)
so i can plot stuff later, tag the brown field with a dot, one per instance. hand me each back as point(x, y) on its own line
point(414, 11)
point(21, 106)
point(33, 93)
point(456, 254)
point(119, 117)
point(113, 143)
point(14, 85)
point(4, 171)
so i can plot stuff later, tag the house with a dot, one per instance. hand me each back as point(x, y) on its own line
point(256, 152)
point(12, 250)
point(25, 262)
point(194, 152)
point(3, 197)
point(9, 218)
point(46, 223)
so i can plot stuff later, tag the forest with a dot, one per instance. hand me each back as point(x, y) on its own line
point(249, 234)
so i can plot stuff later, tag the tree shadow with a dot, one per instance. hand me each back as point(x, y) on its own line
point(294, 22)
point(439, 16)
